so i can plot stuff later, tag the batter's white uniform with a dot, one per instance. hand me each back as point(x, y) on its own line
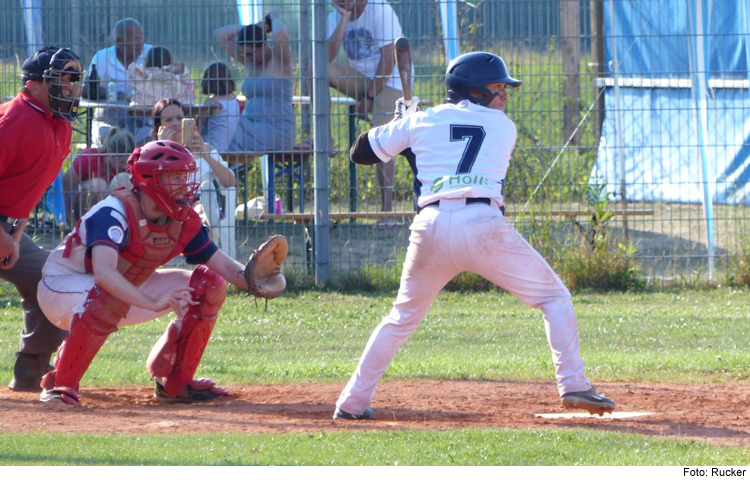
point(65, 283)
point(460, 151)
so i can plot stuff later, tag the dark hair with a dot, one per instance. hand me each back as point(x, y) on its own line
point(156, 114)
point(251, 35)
point(158, 56)
point(217, 79)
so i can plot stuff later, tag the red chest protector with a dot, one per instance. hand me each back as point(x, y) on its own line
point(151, 246)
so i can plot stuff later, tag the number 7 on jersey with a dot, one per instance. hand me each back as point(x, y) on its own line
point(474, 135)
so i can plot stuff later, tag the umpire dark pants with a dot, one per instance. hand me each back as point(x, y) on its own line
point(39, 336)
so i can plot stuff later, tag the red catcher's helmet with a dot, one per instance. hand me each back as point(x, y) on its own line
point(150, 167)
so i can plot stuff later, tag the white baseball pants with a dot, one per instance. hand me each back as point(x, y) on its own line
point(60, 297)
point(445, 241)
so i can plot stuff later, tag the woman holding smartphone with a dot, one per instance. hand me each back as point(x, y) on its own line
point(213, 173)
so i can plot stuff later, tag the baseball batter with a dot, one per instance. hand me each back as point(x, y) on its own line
point(104, 276)
point(459, 153)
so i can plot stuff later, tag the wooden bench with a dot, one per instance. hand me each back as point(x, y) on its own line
point(306, 218)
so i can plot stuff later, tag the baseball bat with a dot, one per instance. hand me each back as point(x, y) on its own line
point(403, 64)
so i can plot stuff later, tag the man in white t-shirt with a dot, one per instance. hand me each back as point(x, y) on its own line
point(366, 31)
point(112, 66)
point(459, 153)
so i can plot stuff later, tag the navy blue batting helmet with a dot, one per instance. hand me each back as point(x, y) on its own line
point(473, 71)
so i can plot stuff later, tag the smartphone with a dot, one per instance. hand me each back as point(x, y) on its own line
point(188, 129)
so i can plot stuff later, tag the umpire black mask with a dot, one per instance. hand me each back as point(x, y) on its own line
point(65, 76)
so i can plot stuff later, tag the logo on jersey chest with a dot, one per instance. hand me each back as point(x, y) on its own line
point(450, 182)
point(162, 240)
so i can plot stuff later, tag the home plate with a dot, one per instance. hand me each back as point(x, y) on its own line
point(586, 415)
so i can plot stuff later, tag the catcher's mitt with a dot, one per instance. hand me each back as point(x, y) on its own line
point(263, 268)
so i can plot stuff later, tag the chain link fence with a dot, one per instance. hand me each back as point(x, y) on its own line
point(569, 55)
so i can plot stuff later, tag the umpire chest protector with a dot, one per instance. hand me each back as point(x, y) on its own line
point(151, 246)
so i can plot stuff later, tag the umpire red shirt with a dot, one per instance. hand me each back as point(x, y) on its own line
point(33, 146)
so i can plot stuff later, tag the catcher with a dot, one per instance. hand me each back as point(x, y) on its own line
point(105, 275)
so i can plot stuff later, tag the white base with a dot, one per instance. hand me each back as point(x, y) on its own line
point(586, 415)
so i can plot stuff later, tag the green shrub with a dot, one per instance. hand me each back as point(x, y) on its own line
point(742, 263)
point(597, 261)
point(611, 268)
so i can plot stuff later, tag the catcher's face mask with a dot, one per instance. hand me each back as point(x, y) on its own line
point(166, 172)
point(65, 79)
point(176, 191)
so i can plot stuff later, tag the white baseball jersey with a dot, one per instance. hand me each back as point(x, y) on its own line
point(455, 150)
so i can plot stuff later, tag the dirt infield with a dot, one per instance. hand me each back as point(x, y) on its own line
point(716, 413)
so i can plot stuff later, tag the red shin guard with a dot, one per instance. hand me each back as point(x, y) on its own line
point(88, 332)
point(209, 290)
point(163, 355)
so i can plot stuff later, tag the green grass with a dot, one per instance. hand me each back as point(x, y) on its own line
point(313, 336)
point(460, 447)
point(317, 336)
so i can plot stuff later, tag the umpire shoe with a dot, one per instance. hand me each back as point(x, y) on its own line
point(590, 401)
point(28, 372)
point(190, 395)
point(342, 415)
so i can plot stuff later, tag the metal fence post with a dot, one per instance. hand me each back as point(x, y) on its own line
point(322, 121)
point(305, 54)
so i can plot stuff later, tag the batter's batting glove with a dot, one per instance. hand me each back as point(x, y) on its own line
point(404, 111)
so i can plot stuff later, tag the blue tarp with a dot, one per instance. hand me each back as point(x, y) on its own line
point(54, 201)
point(661, 146)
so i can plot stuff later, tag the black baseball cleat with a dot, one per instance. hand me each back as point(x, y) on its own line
point(590, 401)
point(190, 395)
point(28, 372)
point(342, 415)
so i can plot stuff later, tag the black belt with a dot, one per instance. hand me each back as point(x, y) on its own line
point(10, 221)
point(469, 200)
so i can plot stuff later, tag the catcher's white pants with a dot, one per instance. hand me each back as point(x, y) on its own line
point(60, 297)
point(445, 241)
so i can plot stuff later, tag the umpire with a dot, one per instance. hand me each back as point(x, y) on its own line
point(35, 133)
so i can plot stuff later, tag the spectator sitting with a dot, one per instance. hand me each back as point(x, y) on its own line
point(158, 78)
point(218, 130)
point(213, 172)
point(97, 172)
point(112, 66)
point(366, 30)
point(267, 122)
